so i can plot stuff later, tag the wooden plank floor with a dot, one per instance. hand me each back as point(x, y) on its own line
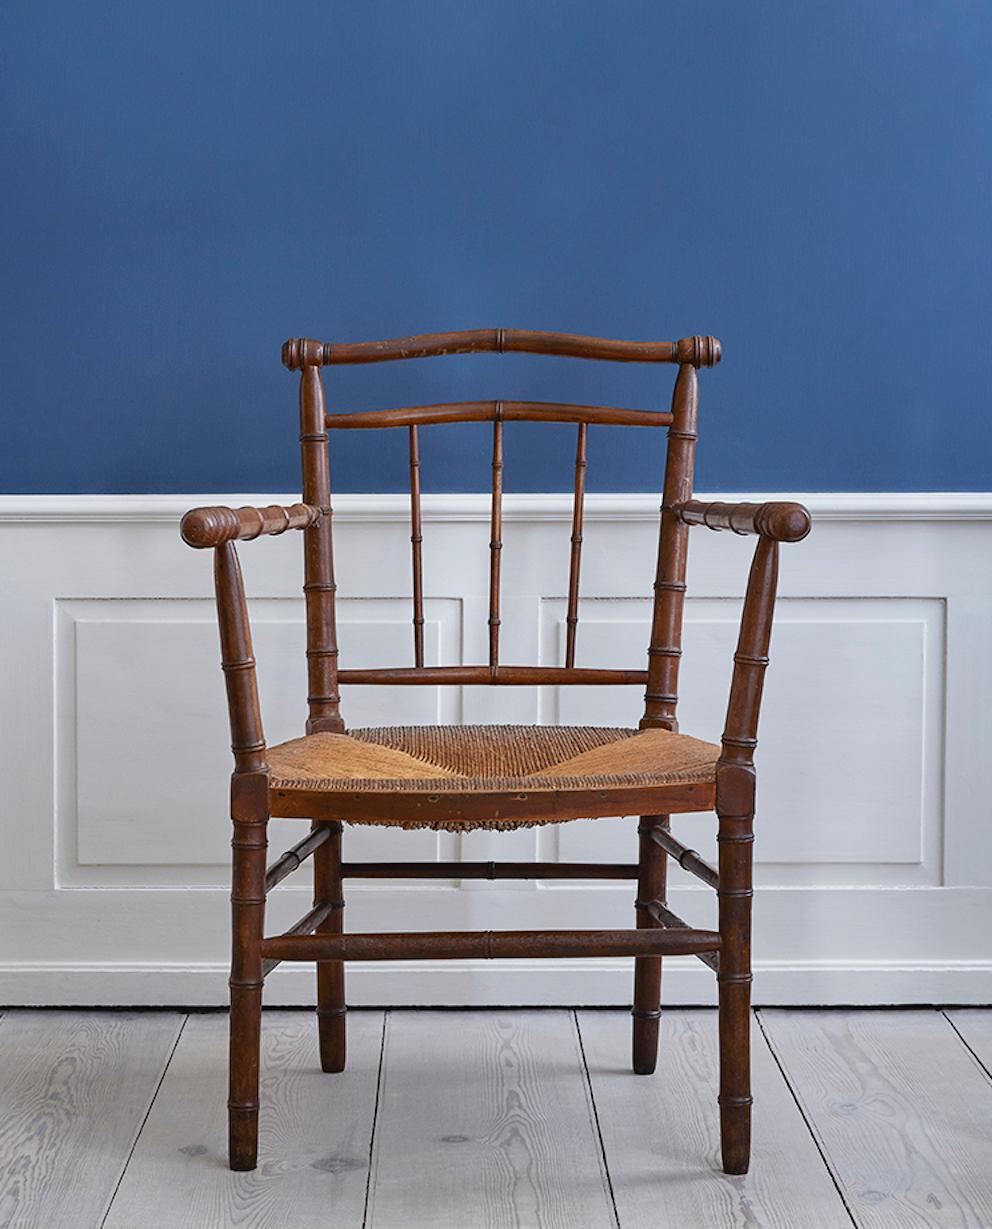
point(876, 1119)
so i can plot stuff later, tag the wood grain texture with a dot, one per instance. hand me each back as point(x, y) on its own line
point(315, 1132)
point(901, 1110)
point(974, 1025)
point(484, 1120)
point(662, 1140)
point(74, 1089)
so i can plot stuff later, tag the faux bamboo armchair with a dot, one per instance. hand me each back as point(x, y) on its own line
point(463, 777)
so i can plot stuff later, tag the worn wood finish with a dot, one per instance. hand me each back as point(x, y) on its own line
point(658, 930)
point(74, 1090)
point(314, 1142)
point(701, 351)
point(663, 1148)
point(319, 588)
point(784, 522)
point(660, 913)
point(687, 858)
point(202, 527)
point(490, 944)
point(414, 806)
point(249, 811)
point(495, 676)
point(575, 559)
point(505, 1137)
point(495, 544)
point(416, 545)
point(496, 411)
point(328, 894)
point(238, 663)
point(306, 925)
point(735, 842)
point(900, 1109)
point(665, 648)
point(294, 858)
point(489, 870)
point(651, 885)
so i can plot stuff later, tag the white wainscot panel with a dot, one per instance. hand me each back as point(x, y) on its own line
point(144, 756)
point(850, 762)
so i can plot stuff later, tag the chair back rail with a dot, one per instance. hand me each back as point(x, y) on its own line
point(496, 411)
point(661, 674)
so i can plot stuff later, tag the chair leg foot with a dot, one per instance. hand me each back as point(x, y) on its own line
point(243, 1138)
point(644, 1052)
point(332, 1031)
point(331, 1010)
point(651, 882)
point(245, 1020)
point(735, 1136)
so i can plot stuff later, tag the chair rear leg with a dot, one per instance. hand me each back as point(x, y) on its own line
point(736, 837)
point(247, 917)
point(331, 1010)
point(651, 885)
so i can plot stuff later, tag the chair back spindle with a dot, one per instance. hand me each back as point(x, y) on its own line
point(665, 648)
point(416, 546)
point(575, 559)
point(495, 543)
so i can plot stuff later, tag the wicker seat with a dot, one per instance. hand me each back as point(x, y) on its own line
point(494, 771)
point(463, 777)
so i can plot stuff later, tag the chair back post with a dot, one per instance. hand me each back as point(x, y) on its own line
point(665, 649)
point(319, 588)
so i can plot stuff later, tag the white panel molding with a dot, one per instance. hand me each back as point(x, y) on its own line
point(874, 861)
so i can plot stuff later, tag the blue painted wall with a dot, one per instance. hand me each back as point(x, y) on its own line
point(187, 184)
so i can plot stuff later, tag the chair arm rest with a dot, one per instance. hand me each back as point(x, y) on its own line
point(203, 527)
point(782, 522)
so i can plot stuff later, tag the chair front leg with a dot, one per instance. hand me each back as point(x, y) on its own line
point(249, 842)
point(652, 883)
point(331, 1010)
point(736, 844)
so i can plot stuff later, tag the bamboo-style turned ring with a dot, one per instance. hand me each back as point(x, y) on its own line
point(203, 527)
point(781, 521)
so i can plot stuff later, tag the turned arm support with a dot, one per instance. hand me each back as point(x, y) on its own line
point(772, 523)
point(204, 527)
point(780, 521)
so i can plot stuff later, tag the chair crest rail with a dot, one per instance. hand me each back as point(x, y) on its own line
point(698, 351)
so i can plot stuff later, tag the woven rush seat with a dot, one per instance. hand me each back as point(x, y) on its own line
point(491, 765)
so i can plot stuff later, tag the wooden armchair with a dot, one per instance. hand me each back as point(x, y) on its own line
point(462, 777)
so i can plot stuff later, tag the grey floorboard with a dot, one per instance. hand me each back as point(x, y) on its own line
point(314, 1137)
point(74, 1089)
point(484, 1120)
point(661, 1134)
point(974, 1025)
point(901, 1110)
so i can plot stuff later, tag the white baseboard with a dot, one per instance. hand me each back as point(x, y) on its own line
point(589, 983)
